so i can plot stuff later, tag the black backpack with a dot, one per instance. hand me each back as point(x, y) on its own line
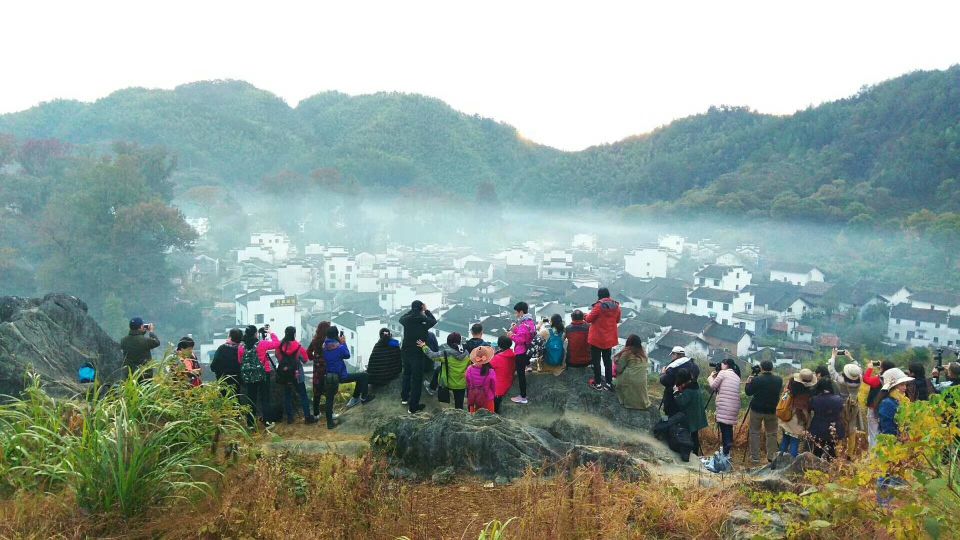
point(287, 367)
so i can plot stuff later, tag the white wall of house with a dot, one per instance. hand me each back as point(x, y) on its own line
point(921, 334)
point(256, 252)
point(584, 241)
point(733, 280)
point(672, 242)
point(647, 262)
point(296, 278)
point(339, 270)
point(796, 278)
point(721, 311)
point(278, 242)
point(277, 310)
point(361, 340)
point(368, 282)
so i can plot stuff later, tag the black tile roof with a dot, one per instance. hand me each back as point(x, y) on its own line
point(908, 313)
point(936, 297)
point(682, 321)
point(715, 295)
point(725, 332)
point(713, 271)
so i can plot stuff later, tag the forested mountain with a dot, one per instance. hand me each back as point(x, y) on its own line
point(890, 150)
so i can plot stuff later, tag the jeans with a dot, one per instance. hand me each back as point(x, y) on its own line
point(328, 389)
point(873, 427)
point(412, 385)
point(790, 444)
point(301, 391)
point(769, 422)
point(522, 361)
point(361, 389)
point(726, 436)
point(595, 357)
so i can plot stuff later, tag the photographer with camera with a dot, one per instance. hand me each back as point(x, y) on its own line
point(725, 383)
point(668, 374)
point(136, 346)
point(847, 385)
point(951, 375)
point(764, 387)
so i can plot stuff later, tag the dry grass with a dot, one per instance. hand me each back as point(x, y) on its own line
point(334, 497)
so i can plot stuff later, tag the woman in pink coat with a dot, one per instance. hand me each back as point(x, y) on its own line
point(725, 383)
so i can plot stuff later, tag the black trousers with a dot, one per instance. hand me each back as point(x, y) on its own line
point(328, 390)
point(497, 401)
point(259, 396)
point(523, 361)
point(458, 396)
point(412, 387)
point(595, 357)
point(726, 436)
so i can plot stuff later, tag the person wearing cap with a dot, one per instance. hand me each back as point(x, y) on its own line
point(847, 384)
point(416, 327)
point(481, 379)
point(895, 390)
point(384, 363)
point(136, 346)
point(668, 374)
point(764, 391)
point(454, 360)
point(801, 390)
point(951, 377)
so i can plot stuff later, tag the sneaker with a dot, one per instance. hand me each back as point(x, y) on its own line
point(426, 386)
point(608, 387)
point(519, 399)
point(596, 386)
point(333, 423)
point(403, 402)
point(420, 407)
point(310, 420)
point(367, 399)
point(353, 402)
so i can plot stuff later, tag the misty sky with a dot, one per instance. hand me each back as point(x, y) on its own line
point(565, 74)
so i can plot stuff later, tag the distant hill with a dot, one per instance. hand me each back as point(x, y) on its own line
point(889, 150)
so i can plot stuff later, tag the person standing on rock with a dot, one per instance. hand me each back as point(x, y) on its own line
point(454, 360)
point(335, 352)
point(602, 337)
point(578, 350)
point(291, 357)
point(481, 380)
point(725, 382)
point(826, 420)
point(226, 361)
point(522, 334)
point(765, 390)
point(632, 371)
point(136, 346)
point(476, 338)
point(416, 325)
point(848, 383)
point(504, 364)
point(800, 389)
point(689, 400)
point(668, 376)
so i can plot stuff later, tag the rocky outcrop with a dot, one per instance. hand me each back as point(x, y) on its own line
point(53, 336)
point(487, 445)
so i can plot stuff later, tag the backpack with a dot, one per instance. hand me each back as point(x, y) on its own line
point(785, 406)
point(719, 463)
point(554, 349)
point(251, 370)
point(286, 367)
point(87, 373)
point(535, 349)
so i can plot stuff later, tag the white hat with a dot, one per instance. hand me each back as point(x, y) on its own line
point(678, 350)
point(852, 372)
point(806, 378)
point(894, 377)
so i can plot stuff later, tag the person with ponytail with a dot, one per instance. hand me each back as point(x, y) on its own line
point(315, 352)
point(290, 359)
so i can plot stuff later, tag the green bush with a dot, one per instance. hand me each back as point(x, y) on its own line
point(135, 445)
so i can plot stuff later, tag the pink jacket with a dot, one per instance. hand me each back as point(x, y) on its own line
point(475, 379)
point(522, 335)
point(726, 384)
point(263, 346)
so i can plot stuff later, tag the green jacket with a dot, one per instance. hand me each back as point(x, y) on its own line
point(690, 401)
point(136, 348)
point(454, 361)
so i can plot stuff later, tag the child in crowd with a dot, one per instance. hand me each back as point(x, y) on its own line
point(504, 364)
point(481, 380)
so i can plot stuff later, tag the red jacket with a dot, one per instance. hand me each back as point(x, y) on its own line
point(603, 319)
point(504, 364)
point(578, 350)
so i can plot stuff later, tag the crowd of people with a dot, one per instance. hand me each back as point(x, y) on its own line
point(820, 411)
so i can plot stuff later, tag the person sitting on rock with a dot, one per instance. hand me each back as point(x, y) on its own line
point(578, 350)
point(632, 370)
point(689, 400)
point(476, 338)
point(504, 364)
point(335, 352)
point(453, 365)
point(481, 380)
point(384, 364)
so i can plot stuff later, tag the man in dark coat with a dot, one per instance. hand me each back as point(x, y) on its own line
point(136, 346)
point(416, 325)
point(668, 377)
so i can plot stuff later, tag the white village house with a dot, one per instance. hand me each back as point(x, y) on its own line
point(796, 273)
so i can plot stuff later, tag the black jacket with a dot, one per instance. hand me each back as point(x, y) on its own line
point(473, 343)
point(765, 389)
point(384, 364)
point(415, 326)
point(226, 361)
point(669, 380)
point(136, 348)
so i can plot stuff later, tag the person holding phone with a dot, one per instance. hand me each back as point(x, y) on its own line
point(137, 346)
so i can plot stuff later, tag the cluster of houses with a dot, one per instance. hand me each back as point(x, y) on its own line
point(733, 298)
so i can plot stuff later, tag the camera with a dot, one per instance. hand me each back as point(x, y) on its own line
point(841, 352)
point(715, 366)
point(754, 370)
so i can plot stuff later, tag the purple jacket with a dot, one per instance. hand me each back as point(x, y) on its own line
point(523, 334)
point(726, 384)
point(476, 379)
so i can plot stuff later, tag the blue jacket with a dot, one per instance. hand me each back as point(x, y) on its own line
point(887, 412)
point(334, 354)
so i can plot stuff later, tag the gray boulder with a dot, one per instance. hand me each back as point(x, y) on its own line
point(54, 336)
point(488, 445)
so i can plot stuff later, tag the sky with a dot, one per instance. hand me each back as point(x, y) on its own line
point(565, 74)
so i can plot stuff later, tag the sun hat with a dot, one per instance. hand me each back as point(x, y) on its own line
point(806, 378)
point(852, 372)
point(894, 377)
point(678, 350)
point(481, 355)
